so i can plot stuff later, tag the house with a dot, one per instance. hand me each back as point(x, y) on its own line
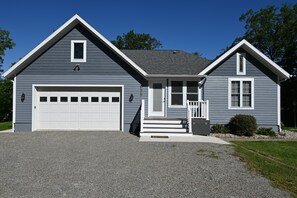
point(77, 80)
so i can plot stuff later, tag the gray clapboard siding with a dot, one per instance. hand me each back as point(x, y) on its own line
point(265, 92)
point(103, 67)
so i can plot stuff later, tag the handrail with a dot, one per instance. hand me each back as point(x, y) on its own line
point(142, 114)
point(189, 117)
point(199, 109)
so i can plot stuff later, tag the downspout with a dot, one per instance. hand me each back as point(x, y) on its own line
point(14, 104)
point(279, 103)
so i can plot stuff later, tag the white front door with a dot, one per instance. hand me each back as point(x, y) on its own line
point(157, 98)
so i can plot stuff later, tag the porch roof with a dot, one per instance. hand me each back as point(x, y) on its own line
point(167, 62)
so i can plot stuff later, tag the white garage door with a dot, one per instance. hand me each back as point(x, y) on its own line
point(78, 110)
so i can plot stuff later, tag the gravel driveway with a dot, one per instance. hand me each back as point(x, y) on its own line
point(115, 164)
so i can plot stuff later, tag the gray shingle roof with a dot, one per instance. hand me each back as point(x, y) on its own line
point(167, 62)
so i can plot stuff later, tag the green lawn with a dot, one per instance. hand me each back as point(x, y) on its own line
point(5, 125)
point(276, 160)
point(291, 129)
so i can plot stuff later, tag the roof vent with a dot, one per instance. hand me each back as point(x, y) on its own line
point(174, 52)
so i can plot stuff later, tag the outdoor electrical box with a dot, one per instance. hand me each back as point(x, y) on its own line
point(200, 126)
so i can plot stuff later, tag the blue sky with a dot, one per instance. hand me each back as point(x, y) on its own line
point(203, 26)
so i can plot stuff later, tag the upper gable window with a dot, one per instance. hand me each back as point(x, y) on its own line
point(240, 64)
point(78, 51)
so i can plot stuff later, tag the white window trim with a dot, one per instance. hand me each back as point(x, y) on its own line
point(184, 92)
point(72, 51)
point(238, 72)
point(230, 91)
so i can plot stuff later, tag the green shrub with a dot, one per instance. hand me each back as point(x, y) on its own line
point(266, 131)
point(219, 128)
point(243, 125)
point(282, 125)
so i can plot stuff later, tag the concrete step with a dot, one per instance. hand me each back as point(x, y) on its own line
point(178, 126)
point(165, 130)
point(162, 121)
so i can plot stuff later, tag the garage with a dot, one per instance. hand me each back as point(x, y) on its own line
point(77, 108)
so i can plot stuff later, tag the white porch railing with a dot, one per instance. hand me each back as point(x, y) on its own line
point(142, 114)
point(189, 117)
point(199, 109)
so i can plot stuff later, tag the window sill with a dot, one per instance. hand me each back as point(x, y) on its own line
point(241, 108)
point(78, 60)
point(176, 106)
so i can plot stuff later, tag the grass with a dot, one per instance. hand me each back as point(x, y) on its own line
point(275, 160)
point(291, 129)
point(5, 125)
point(207, 153)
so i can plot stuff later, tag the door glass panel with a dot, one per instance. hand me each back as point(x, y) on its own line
point(53, 99)
point(115, 99)
point(63, 99)
point(95, 99)
point(43, 99)
point(105, 99)
point(74, 99)
point(157, 94)
point(84, 99)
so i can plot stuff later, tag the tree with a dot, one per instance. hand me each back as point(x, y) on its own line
point(5, 43)
point(6, 88)
point(5, 85)
point(132, 40)
point(273, 31)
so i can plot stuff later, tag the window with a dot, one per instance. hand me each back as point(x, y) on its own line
point(95, 99)
point(240, 64)
point(63, 99)
point(84, 99)
point(105, 99)
point(78, 51)
point(115, 99)
point(192, 90)
point(54, 99)
point(181, 91)
point(241, 93)
point(74, 99)
point(43, 99)
point(177, 93)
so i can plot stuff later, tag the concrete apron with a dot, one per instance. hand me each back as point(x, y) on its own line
point(157, 137)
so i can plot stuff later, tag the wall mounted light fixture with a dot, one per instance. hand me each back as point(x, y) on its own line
point(76, 68)
point(131, 98)
point(23, 97)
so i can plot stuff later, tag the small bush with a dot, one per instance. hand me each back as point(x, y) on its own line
point(219, 128)
point(266, 131)
point(282, 125)
point(243, 125)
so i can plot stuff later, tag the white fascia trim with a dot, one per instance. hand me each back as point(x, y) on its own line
point(238, 72)
point(241, 93)
point(34, 92)
point(84, 59)
point(59, 30)
point(44, 42)
point(279, 105)
point(114, 48)
point(174, 76)
point(14, 104)
point(249, 47)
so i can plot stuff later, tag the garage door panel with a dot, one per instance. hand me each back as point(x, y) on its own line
point(78, 110)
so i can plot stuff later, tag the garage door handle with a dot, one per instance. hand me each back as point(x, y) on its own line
point(34, 107)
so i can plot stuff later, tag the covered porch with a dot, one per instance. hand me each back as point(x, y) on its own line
point(196, 112)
